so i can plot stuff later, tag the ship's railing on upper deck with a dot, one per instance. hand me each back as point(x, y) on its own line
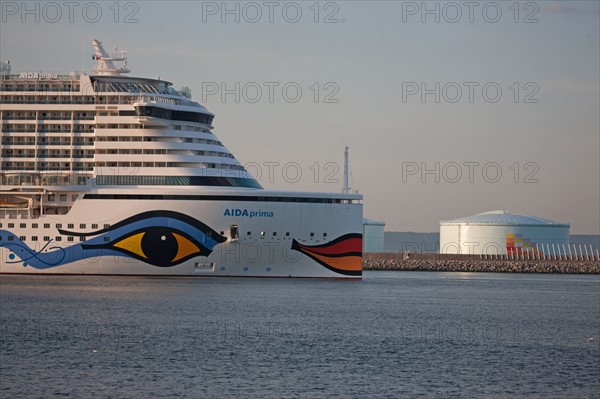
point(127, 87)
point(11, 178)
point(142, 98)
point(38, 89)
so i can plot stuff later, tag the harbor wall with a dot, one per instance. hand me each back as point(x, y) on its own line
point(466, 263)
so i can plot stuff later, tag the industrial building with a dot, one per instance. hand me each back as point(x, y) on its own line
point(503, 233)
point(373, 234)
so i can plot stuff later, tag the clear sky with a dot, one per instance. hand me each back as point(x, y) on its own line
point(515, 124)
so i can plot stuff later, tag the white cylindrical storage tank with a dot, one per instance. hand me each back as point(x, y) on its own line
point(502, 233)
point(373, 234)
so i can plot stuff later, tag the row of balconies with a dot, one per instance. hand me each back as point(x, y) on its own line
point(47, 131)
point(53, 179)
point(89, 167)
point(40, 88)
point(8, 154)
point(13, 137)
point(47, 100)
point(39, 156)
point(46, 166)
point(68, 99)
point(64, 141)
point(47, 115)
point(19, 152)
point(9, 118)
point(67, 122)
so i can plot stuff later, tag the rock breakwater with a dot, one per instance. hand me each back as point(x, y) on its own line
point(397, 262)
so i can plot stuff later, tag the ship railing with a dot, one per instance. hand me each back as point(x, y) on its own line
point(37, 90)
point(48, 118)
point(44, 179)
point(159, 99)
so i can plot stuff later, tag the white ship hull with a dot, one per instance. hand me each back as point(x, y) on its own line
point(264, 245)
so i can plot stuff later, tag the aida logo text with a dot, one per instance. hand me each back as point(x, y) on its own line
point(36, 75)
point(247, 214)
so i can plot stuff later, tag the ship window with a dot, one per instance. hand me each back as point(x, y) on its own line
point(312, 234)
point(274, 234)
point(58, 226)
point(70, 226)
point(324, 234)
point(69, 238)
point(249, 233)
point(287, 234)
point(34, 226)
point(59, 238)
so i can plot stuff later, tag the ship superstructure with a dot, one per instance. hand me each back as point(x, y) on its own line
point(112, 174)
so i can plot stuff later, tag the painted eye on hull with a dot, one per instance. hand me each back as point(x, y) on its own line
point(159, 238)
point(159, 246)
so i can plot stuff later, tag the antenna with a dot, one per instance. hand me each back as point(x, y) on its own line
point(345, 189)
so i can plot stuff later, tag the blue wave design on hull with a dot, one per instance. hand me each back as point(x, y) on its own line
point(159, 238)
point(55, 256)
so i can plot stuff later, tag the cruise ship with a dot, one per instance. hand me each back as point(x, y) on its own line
point(109, 174)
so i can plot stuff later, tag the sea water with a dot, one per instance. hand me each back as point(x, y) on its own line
point(393, 334)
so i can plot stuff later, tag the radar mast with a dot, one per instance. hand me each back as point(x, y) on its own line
point(105, 64)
